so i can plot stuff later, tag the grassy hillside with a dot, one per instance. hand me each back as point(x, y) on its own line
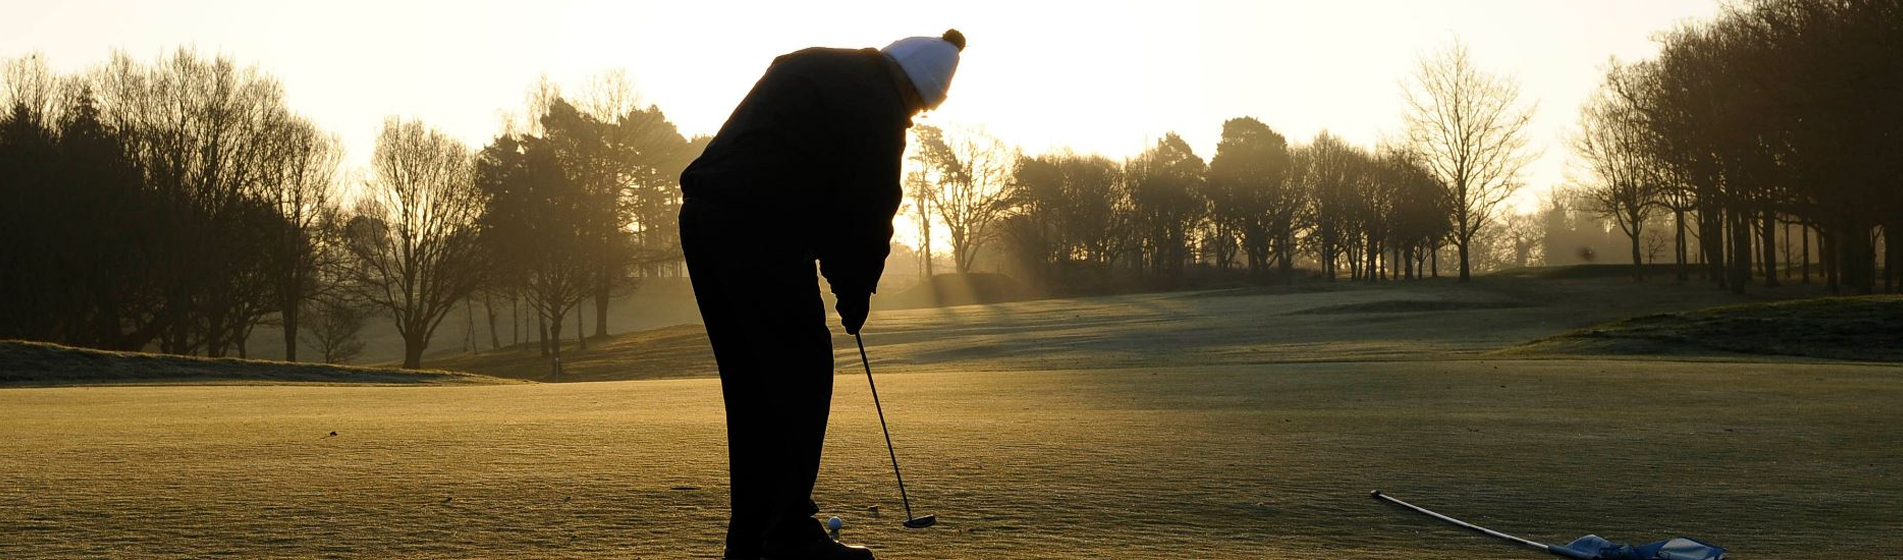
point(1868, 328)
point(1584, 271)
point(40, 364)
point(656, 303)
point(956, 289)
point(676, 351)
point(1423, 320)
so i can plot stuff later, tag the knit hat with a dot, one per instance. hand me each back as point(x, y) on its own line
point(929, 62)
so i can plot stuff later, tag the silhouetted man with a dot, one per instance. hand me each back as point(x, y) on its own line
point(806, 168)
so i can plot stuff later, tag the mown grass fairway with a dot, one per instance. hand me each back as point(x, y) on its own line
point(1244, 453)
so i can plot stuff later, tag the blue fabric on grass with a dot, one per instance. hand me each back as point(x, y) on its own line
point(1680, 548)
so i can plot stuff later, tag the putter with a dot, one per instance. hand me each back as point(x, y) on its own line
point(910, 522)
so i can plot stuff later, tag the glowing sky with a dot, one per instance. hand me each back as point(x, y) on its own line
point(1106, 77)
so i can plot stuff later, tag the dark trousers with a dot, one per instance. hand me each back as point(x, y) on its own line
point(760, 301)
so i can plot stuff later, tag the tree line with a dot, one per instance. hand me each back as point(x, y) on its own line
point(1777, 113)
point(177, 205)
point(1258, 208)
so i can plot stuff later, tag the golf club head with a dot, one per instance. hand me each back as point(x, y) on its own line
point(921, 522)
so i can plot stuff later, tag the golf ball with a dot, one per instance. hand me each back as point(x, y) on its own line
point(834, 523)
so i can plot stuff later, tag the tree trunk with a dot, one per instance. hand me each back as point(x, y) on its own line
point(1354, 263)
point(601, 309)
point(1286, 260)
point(214, 336)
point(1858, 259)
point(1638, 265)
point(1383, 262)
point(1787, 273)
point(541, 325)
point(1830, 252)
point(1769, 245)
point(413, 345)
point(1711, 244)
point(469, 324)
point(1376, 258)
point(1891, 259)
point(555, 340)
point(1804, 230)
point(1466, 267)
point(1328, 260)
point(290, 315)
point(489, 306)
point(925, 235)
point(1678, 242)
point(1740, 252)
point(581, 338)
point(958, 256)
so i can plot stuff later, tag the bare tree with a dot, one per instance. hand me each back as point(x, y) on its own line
point(919, 189)
point(301, 192)
point(334, 326)
point(203, 131)
point(1420, 218)
point(1331, 171)
point(1611, 144)
point(412, 241)
point(204, 181)
point(29, 83)
point(1470, 130)
point(972, 174)
point(1656, 241)
point(609, 95)
point(1525, 233)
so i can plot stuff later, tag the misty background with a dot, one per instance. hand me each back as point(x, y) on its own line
point(191, 199)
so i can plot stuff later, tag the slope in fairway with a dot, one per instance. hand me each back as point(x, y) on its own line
point(1243, 461)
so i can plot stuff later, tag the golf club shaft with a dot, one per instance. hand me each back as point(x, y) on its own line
point(888, 433)
point(1489, 532)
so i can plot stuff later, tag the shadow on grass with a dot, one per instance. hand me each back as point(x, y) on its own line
point(41, 364)
point(1864, 328)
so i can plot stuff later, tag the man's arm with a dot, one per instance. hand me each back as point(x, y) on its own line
point(866, 120)
point(853, 251)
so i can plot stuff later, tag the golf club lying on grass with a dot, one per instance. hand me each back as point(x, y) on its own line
point(1589, 547)
point(910, 522)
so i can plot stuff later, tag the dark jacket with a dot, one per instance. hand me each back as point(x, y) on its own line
point(812, 155)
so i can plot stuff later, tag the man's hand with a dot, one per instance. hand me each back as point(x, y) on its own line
point(852, 311)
